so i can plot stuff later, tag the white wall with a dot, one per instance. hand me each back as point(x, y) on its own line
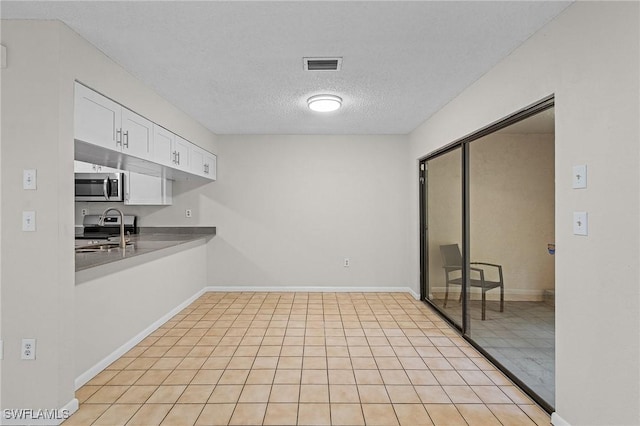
point(589, 57)
point(113, 308)
point(37, 273)
point(1, 216)
point(290, 208)
point(38, 281)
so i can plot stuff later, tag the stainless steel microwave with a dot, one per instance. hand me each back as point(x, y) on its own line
point(99, 187)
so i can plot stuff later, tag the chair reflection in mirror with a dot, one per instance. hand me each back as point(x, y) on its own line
point(452, 264)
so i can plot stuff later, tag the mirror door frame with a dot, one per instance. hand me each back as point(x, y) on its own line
point(463, 143)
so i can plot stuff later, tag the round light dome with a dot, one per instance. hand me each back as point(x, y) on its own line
point(324, 103)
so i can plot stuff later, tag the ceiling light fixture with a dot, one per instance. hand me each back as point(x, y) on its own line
point(324, 103)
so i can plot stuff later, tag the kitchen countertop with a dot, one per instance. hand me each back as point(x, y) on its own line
point(148, 240)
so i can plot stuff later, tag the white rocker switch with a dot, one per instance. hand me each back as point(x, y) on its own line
point(580, 176)
point(580, 223)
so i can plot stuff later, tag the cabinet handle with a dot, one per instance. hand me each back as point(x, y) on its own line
point(173, 157)
point(206, 168)
point(178, 155)
point(119, 137)
point(125, 135)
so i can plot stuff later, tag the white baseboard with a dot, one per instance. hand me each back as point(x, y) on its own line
point(104, 363)
point(316, 289)
point(413, 293)
point(72, 406)
point(39, 417)
point(556, 420)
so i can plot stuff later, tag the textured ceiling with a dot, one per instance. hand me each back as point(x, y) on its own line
point(237, 66)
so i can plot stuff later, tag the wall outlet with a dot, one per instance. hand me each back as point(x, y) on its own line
point(28, 350)
point(187, 213)
point(346, 262)
point(84, 212)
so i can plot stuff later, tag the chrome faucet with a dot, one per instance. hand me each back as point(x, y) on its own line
point(123, 242)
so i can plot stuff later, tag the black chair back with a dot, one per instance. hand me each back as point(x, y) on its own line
point(451, 255)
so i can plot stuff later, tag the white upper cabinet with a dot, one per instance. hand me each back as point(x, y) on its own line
point(163, 141)
point(97, 119)
point(181, 150)
point(137, 134)
point(147, 190)
point(170, 149)
point(131, 142)
point(202, 163)
point(100, 121)
point(196, 161)
point(210, 165)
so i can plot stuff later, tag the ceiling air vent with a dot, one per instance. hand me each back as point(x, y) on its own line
point(322, 64)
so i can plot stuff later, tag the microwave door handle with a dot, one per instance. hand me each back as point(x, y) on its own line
point(105, 188)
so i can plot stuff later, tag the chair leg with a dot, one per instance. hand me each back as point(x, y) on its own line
point(446, 295)
point(501, 298)
point(484, 301)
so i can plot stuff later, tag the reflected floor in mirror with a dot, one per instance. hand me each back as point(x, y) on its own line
point(522, 338)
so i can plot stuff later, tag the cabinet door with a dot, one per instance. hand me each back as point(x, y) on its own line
point(96, 119)
point(202, 163)
point(137, 135)
point(196, 160)
point(181, 149)
point(147, 190)
point(210, 165)
point(163, 141)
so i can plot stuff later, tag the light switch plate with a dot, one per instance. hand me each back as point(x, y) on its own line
point(29, 221)
point(580, 223)
point(580, 176)
point(29, 179)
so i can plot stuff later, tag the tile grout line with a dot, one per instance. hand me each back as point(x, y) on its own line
point(381, 309)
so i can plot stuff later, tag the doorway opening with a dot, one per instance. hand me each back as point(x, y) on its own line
point(487, 224)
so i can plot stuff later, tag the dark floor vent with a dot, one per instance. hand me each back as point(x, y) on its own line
point(322, 64)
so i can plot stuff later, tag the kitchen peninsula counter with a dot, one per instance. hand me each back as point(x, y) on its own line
point(150, 243)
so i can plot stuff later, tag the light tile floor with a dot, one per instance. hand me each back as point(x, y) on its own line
point(305, 359)
point(522, 339)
